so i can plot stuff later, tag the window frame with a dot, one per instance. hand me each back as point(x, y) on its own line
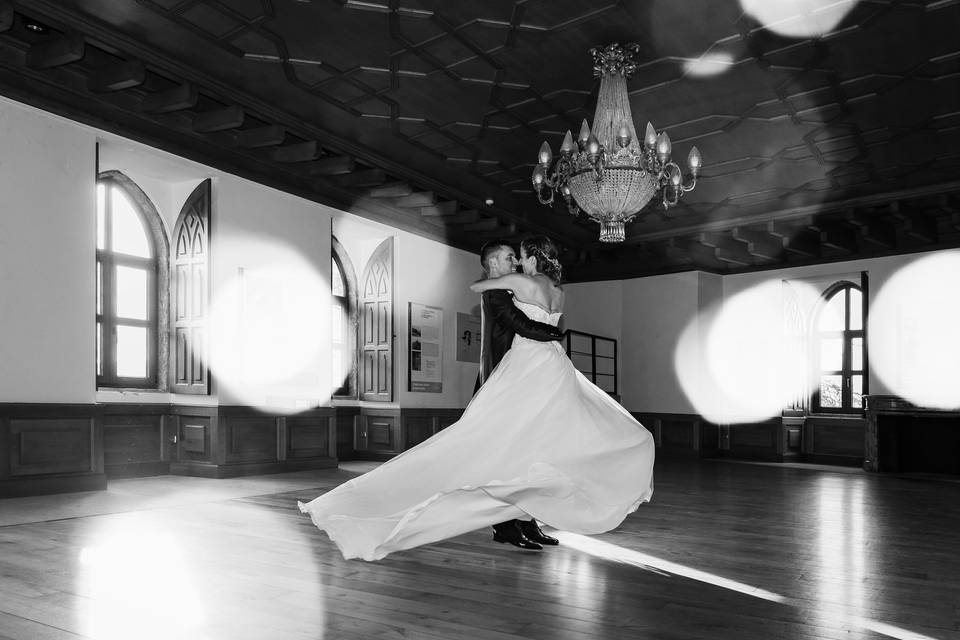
point(847, 336)
point(106, 318)
point(348, 303)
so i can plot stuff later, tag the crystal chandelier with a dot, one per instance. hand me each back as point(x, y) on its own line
point(608, 173)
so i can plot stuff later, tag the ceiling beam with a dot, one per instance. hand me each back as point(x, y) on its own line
point(297, 152)
point(365, 178)
point(390, 190)
point(445, 210)
point(332, 166)
point(231, 117)
point(6, 15)
point(117, 76)
point(63, 50)
point(418, 199)
point(760, 243)
point(484, 224)
point(839, 237)
point(918, 226)
point(464, 217)
point(805, 242)
point(181, 97)
point(268, 136)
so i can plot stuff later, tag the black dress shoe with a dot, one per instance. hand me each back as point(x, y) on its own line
point(531, 531)
point(514, 536)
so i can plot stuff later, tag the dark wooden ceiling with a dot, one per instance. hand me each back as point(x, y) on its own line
point(419, 113)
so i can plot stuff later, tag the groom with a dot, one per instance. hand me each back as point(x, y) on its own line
point(501, 320)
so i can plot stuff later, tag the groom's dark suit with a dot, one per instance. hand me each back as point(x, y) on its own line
point(501, 321)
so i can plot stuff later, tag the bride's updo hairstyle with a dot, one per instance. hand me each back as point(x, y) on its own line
point(543, 249)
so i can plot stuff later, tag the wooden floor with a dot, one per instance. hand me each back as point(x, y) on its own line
point(724, 550)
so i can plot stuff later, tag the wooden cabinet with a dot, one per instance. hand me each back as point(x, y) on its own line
point(377, 433)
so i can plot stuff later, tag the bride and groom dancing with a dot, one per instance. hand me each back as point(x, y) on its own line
point(538, 441)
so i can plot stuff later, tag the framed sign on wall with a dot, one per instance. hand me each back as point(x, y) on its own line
point(425, 358)
point(468, 338)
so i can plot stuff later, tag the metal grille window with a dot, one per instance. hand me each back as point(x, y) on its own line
point(595, 357)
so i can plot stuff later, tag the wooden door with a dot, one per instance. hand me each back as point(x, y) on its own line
point(191, 263)
point(376, 309)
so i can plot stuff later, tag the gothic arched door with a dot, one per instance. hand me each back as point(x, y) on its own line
point(376, 325)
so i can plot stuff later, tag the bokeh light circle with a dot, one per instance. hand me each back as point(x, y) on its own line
point(270, 325)
point(912, 336)
point(738, 361)
point(798, 18)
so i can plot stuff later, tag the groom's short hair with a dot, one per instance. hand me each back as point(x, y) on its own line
point(488, 249)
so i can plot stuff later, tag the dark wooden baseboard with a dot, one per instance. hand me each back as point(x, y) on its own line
point(36, 486)
point(57, 448)
point(236, 470)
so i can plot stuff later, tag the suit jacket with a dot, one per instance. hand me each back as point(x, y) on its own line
point(501, 321)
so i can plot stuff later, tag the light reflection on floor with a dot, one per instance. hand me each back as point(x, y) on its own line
point(838, 606)
point(136, 580)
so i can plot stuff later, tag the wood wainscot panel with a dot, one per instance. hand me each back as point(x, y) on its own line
point(901, 437)
point(756, 440)
point(50, 448)
point(250, 439)
point(834, 439)
point(421, 424)
point(417, 428)
point(312, 437)
point(681, 433)
point(347, 419)
point(378, 436)
point(133, 446)
point(44, 446)
point(676, 435)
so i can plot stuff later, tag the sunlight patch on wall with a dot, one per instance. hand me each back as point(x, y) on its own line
point(912, 333)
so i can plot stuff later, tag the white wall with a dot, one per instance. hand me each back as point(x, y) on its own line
point(594, 307)
point(47, 249)
point(656, 310)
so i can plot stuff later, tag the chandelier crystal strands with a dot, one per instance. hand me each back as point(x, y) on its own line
point(608, 173)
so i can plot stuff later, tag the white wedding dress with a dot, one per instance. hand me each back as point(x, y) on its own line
point(538, 440)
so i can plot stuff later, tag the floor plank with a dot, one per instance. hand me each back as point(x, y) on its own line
point(724, 550)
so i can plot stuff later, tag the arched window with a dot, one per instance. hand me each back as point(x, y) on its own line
point(131, 286)
point(343, 284)
point(839, 350)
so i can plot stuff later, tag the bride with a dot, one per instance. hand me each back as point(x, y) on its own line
point(538, 440)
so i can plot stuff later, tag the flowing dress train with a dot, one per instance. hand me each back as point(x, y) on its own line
point(538, 440)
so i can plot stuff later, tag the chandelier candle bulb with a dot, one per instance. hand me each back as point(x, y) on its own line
point(623, 136)
point(546, 155)
point(593, 147)
point(695, 161)
point(663, 147)
point(651, 137)
point(567, 148)
point(584, 135)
